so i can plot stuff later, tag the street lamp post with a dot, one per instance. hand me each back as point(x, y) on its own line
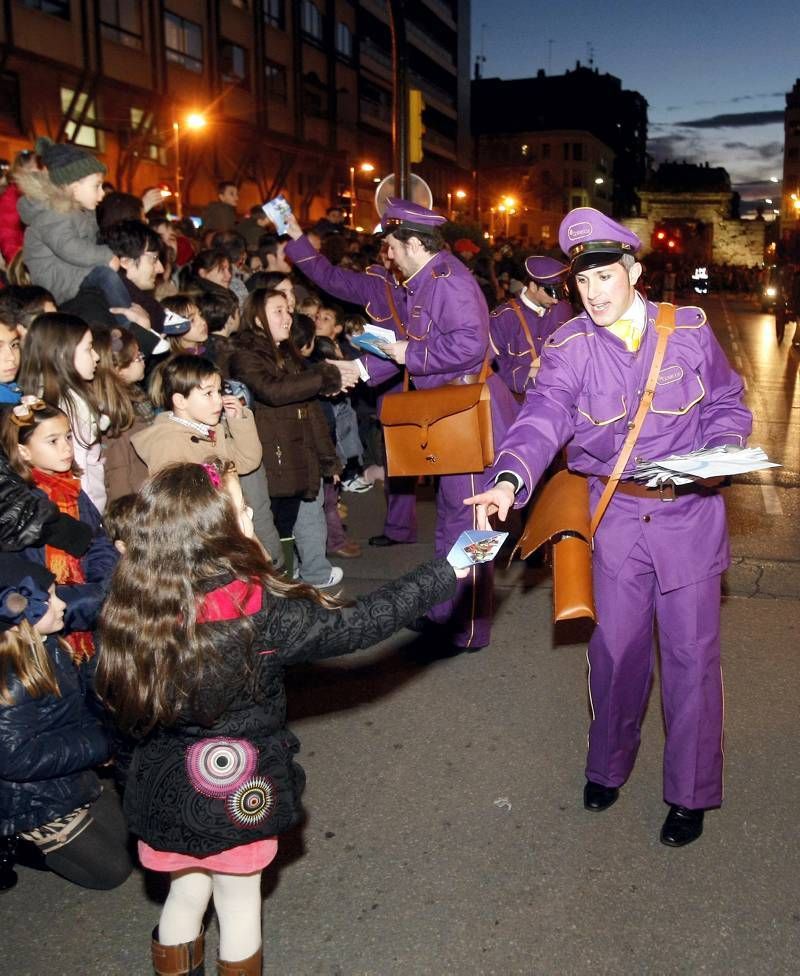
point(178, 195)
point(193, 121)
point(363, 168)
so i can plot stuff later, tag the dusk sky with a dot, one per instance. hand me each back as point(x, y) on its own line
point(715, 74)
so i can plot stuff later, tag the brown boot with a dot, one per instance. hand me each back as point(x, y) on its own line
point(185, 959)
point(244, 967)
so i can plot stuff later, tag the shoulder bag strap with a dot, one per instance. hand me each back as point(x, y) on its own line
point(515, 305)
point(393, 309)
point(398, 325)
point(665, 326)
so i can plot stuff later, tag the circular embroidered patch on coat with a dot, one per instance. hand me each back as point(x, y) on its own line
point(253, 802)
point(217, 767)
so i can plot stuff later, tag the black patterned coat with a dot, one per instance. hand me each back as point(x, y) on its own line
point(199, 788)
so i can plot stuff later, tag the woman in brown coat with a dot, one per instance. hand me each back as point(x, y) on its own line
point(298, 450)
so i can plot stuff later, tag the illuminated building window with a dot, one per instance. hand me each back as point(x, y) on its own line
point(58, 8)
point(275, 81)
point(73, 108)
point(275, 13)
point(183, 42)
point(233, 64)
point(311, 20)
point(121, 22)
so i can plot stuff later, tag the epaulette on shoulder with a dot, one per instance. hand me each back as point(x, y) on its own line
point(576, 328)
point(689, 317)
point(443, 271)
point(500, 310)
point(376, 271)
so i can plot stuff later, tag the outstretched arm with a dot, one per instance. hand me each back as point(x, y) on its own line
point(302, 630)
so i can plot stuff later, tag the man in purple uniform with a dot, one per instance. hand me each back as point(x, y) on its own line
point(384, 301)
point(655, 556)
point(447, 339)
point(519, 327)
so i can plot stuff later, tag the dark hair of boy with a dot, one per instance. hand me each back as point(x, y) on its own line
point(130, 238)
point(231, 243)
point(223, 185)
point(302, 331)
point(20, 304)
point(216, 308)
point(118, 206)
point(181, 304)
point(269, 244)
point(181, 373)
point(325, 348)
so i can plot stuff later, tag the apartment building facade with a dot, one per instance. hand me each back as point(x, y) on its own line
point(293, 92)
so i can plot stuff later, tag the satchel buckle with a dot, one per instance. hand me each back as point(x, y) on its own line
point(667, 495)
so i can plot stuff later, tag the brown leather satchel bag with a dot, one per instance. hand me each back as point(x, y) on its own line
point(446, 430)
point(560, 515)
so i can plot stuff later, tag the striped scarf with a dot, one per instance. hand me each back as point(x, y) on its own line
point(63, 491)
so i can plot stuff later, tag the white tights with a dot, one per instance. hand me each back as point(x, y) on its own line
point(237, 901)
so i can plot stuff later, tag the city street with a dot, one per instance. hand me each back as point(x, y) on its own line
point(446, 832)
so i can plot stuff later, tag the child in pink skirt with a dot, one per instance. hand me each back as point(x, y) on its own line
point(195, 636)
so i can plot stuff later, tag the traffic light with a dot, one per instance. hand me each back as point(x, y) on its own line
point(416, 128)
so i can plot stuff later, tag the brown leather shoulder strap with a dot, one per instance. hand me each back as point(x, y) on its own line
point(393, 309)
point(665, 326)
point(516, 306)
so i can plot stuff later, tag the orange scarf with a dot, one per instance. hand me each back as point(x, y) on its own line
point(63, 491)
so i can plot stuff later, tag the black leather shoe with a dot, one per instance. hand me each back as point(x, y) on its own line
point(383, 540)
point(598, 798)
point(682, 826)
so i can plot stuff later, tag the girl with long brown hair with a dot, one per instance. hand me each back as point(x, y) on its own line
point(196, 633)
point(51, 738)
point(120, 369)
point(58, 364)
point(298, 450)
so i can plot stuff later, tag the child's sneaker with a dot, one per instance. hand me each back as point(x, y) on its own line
point(356, 484)
point(336, 577)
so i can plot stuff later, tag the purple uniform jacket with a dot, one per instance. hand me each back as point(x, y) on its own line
point(511, 346)
point(447, 321)
point(376, 289)
point(587, 391)
point(368, 288)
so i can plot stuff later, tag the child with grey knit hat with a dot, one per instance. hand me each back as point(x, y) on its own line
point(61, 251)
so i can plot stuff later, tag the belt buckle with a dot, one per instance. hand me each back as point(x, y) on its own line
point(669, 495)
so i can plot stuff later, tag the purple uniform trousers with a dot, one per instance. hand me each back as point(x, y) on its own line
point(469, 614)
point(622, 658)
point(652, 559)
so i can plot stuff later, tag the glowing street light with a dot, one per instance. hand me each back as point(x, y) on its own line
point(193, 122)
point(362, 168)
point(459, 195)
point(599, 181)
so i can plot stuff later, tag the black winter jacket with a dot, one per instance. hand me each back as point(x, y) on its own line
point(85, 600)
point(201, 789)
point(24, 513)
point(48, 748)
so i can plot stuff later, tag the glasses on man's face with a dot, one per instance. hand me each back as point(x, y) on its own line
point(554, 291)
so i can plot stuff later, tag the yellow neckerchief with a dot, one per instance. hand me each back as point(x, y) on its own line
point(630, 328)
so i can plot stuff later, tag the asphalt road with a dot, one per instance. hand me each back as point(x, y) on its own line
point(445, 830)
